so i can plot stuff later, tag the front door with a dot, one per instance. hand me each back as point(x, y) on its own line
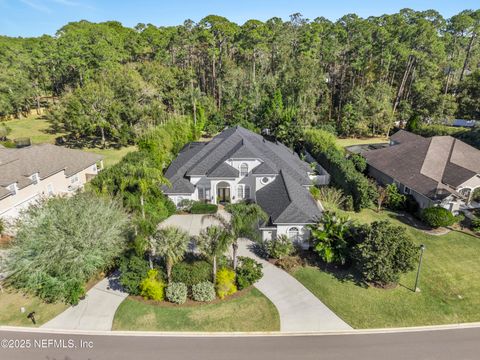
point(223, 194)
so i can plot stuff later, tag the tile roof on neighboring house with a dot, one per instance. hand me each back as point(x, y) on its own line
point(293, 203)
point(432, 166)
point(17, 165)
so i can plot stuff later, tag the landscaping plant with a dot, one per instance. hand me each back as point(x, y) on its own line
point(331, 198)
point(438, 216)
point(171, 243)
point(204, 291)
point(176, 292)
point(330, 238)
point(192, 272)
point(64, 242)
point(476, 224)
point(225, 284)
point(394, 200)
point(133, 269)
point(213, 242)
point(248, 272)
point(152, 287)
point(385, 253)
point(279, 247)
point(202, 208)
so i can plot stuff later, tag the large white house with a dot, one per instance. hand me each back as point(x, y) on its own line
point(239, 165)
point(31, 173)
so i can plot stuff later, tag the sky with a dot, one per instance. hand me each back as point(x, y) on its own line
point(37, 17)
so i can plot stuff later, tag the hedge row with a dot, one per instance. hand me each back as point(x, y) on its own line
point(322, 145)
point(202, 208)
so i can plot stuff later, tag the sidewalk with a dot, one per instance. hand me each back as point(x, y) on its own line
point(95, 312)
point(299, 309)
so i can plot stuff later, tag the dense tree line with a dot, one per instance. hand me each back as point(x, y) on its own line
point(354, 76)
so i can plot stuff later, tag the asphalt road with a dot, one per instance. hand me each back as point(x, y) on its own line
point(457, 344)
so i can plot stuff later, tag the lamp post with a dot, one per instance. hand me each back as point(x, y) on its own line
point(422, 249)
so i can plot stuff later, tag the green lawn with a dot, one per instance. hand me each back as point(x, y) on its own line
point(250, 312)
point(450, 285)
point(11, 302)
point(111, 155)
point(361, 141)
point(34, 127)
point(37, 129)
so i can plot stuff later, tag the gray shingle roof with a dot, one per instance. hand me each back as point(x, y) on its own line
point(286, 199)
point(17, 165)
point(286, 202)
point(433, 166)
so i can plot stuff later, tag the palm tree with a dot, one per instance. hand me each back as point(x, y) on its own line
point(213, 242)
point(243, 222)
point(171, 243)
point(144, 176)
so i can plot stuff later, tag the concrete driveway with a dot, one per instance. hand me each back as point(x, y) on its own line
point(192, 223)
point(95, 312)
point(299, 309)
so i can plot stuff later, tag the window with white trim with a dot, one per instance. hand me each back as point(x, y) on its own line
point(294, 234)
point(407, 190)
point(201, 193)
point(74, 179)
point(35, 179)
point(50, 189)
point(240, 193)
point(244, 169)
point(264, 180)
point(246, 192)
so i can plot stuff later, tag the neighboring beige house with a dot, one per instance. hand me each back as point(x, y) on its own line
point(439, 170)
point(31, 173)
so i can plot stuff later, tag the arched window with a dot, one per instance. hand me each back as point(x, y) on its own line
point(243, 169)
point(294, 234)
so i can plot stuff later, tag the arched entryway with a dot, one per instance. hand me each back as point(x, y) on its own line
point(223, 192)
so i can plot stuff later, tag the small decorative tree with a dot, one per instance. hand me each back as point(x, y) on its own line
point(213, 242)
point(171, 243)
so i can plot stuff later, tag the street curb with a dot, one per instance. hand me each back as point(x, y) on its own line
point(243, 334)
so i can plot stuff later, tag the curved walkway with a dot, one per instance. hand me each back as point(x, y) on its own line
point(95, 312)
point(299, 309)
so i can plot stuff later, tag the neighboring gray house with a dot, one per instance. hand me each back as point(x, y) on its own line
point(440, 170)
point(240, 165)
point(30, 173)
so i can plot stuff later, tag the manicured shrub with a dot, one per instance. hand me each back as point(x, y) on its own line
point(248, 272)
point(476, 195)
point(204, 291)
point(225, 284)
point(152, 287)
point(202, 208)
point(133, 269)
point(279, 248)
point(323, 147)
point(176, 292)
point(438, 216)
point(348, 204)
point(191, 273)
point(385, 253)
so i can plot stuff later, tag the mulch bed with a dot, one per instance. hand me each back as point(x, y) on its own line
point(189, 302)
